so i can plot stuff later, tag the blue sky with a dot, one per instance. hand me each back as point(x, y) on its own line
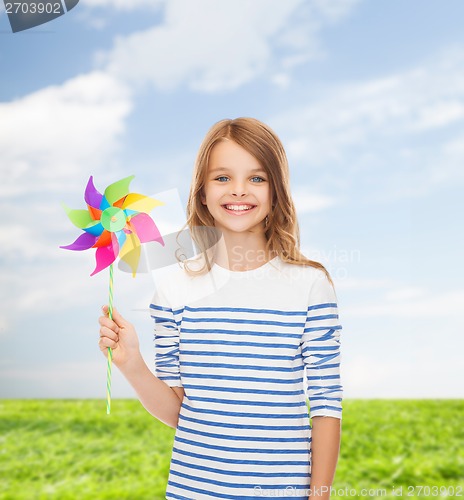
point(368, 99)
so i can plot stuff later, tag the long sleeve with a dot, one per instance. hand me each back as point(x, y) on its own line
point(320, 347)
point(166, 340)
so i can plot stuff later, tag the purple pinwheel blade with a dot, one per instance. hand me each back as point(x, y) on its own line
point(92, 196)
point(83, 242)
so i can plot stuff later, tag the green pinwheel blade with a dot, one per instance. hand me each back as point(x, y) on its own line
point(80, 218)
point(118, 189)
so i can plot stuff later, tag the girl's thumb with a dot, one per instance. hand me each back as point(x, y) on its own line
point(117, 318)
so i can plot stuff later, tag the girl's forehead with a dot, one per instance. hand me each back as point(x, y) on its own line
point(227, 155)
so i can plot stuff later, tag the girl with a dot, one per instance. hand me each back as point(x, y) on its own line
point(243, 332)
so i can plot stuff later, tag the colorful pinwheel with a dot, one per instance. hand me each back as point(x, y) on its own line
point(116, 223)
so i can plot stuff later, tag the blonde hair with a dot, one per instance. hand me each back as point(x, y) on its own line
point(282, 230)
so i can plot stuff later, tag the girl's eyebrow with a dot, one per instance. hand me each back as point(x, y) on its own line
point(225, 169)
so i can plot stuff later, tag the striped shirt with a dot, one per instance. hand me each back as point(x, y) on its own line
point(250, 349)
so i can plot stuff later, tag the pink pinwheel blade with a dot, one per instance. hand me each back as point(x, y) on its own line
point(92, 196)
point(146, 229)
point(104, 256)
point(83, 242)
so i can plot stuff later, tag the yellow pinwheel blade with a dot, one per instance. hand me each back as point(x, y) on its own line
point(130, 252)
point(140, 203)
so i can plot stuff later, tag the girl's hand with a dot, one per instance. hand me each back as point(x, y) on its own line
point(120, 335)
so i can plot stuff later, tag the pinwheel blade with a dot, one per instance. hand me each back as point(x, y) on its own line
point(104, 257)
point(119, 203)
point(121, 237)
point(83, 242)
point(140, 203)
point(104, 240)
point(104, 204)
point(118, 190)
point(80, 218)
point(95, 228)
point(130, 252)
point(92, 197)
point(145, 228)
point(116, 223)
point(95, 213)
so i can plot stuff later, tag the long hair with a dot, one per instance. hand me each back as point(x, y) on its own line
point(281, 230)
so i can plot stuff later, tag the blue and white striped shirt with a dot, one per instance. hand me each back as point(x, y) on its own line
point(249, 348)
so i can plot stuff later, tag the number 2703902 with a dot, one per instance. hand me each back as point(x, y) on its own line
point(33, 8)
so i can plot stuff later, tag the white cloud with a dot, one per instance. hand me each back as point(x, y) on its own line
point(281, 80)
point(4, 325)
point(422, 375)
point(414, 305)
point(305, 201)
point(406, 293)
point(64, 379)
point(123, 5)
point(376, 131)
point(439, 114)
point(334, 10)
point(218, 46)
point(50, 141)
point(50, 136)
point(349, 114)
point(218, 51)
point(24, 242)
point(363, 283)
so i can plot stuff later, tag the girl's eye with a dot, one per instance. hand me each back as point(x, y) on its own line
point(256, 177)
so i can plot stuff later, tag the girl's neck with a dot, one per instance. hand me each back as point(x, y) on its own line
point(241, 252)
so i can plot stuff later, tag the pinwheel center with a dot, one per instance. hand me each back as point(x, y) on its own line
point(113, 219)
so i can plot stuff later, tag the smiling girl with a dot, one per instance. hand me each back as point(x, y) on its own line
point(245, 334)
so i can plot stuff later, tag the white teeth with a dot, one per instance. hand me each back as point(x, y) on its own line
point(238, 207)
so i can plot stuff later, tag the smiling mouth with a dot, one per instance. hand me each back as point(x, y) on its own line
point(238, 209)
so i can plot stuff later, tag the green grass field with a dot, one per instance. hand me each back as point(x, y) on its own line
point(70, 449)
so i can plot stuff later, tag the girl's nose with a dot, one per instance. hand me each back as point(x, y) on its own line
point(238, 189)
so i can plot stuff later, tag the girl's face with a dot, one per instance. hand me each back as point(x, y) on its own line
point(235, 179)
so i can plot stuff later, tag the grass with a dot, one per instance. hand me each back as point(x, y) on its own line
point(405, 444)
point(70, 449)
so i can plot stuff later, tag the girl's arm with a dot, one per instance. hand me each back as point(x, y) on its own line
point(162, 401)
point(321, 343)
point(158, 398)
point(326, 435)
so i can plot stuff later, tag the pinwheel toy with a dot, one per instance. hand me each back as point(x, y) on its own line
point(115, 223)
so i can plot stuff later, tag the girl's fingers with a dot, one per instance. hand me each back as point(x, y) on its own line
point(119, 319)
point(105, 342)
point(108, 332)
point(108, 323)
point(116, 317)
